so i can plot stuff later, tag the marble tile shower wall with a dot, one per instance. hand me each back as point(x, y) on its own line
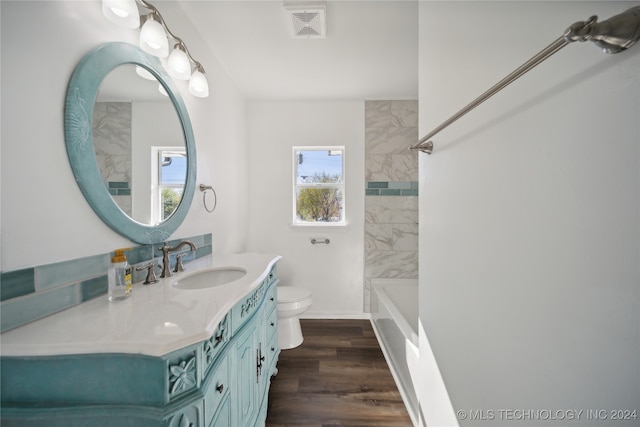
point(36, 292)
point(112, 142)
point(391, 203)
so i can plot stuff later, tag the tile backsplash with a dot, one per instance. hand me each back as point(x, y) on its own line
point(33, 293)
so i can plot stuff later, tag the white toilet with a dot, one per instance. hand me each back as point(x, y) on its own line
point(292, 302)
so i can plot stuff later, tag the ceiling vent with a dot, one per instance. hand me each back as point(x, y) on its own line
point(308, 20)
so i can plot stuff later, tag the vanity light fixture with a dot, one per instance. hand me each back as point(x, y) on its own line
point(154, 39)
point(198, 85)
point(179, 64)
point(144, 73)
point(122, 12)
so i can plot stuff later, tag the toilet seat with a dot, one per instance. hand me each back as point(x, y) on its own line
point(288, 294)
point(292, 298)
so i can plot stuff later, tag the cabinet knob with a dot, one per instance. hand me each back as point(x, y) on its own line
point(271, 299)
point(273, 349)
point(220, 388)
point(273, 324)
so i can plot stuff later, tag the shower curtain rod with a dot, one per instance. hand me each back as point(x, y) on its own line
point(614, 35)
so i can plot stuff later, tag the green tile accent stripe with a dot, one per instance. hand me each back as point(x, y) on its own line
point(377, 185)
point(32, 293)
point(392, 188)
point(139, 254)
point(118, 184)
point(93, 288)
point(120, 191)
point(53, 275)
point(400, 185)
point(17, 283)
point(119, 188)
point(18, 311)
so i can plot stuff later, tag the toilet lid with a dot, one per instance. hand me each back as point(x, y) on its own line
point(292, 293)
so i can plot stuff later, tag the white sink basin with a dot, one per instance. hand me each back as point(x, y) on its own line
point(210, 278)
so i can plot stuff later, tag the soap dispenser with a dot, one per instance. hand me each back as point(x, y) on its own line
point(119, 276)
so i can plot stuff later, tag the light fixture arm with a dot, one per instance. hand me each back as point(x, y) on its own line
point(178, 40)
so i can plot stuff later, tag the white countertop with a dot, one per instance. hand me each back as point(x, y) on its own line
point(155, 319)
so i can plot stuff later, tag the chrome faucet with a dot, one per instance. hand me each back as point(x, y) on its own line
point(166, 270)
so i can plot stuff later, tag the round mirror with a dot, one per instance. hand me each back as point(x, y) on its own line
point(130, 142)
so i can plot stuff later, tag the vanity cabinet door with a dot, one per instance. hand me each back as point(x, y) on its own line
point(217, 391)
point(223, 417)
point(246, 373)
point(188, 416)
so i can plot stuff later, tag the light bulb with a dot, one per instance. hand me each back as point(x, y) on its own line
point(121, 12)
point(153, 38)
point(179, 64)
point(198, 85)
point(144, 73)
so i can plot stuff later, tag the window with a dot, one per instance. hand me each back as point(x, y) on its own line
point(171, 178)
point(318, 186)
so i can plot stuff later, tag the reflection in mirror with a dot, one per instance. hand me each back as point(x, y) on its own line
point(135, 130)
point(169, 180)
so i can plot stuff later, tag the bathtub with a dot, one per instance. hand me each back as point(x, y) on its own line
point(394, 316)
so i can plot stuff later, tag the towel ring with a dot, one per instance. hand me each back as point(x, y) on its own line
point(204, 189)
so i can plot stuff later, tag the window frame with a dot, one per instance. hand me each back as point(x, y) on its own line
point(341, 186)
point(156, 185)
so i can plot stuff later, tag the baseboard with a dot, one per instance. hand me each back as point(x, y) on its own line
point(360, 316)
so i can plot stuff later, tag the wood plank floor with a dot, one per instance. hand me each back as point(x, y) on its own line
point(337, 377)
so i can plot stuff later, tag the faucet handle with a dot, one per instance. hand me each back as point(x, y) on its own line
point(151, 275)
point(179, 267)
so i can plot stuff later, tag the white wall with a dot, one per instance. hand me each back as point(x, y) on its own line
point(530, 207)
point(44, 215)
point(334, 272)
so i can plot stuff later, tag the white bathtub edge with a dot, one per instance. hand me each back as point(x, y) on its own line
point(379, 286)
point(413, 412)
point(410, 336)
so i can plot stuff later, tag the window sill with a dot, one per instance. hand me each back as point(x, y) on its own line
point(327, 227)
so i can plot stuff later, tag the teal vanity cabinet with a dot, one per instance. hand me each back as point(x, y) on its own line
point(221, 381)
point(256, 352)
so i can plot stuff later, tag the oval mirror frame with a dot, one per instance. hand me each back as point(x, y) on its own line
point(81, 95)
